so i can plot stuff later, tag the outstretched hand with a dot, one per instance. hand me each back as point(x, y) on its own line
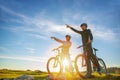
point(52, 37)
point(68, 26)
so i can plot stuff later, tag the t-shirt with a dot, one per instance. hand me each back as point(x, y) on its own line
point(66, 46)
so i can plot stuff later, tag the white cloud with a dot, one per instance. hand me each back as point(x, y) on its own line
point(103, 33)
point(47, 28)
point(108, 35)
point(38, 36)
point(99, 31)
point(40, 25)
point(31, 50)
point(60, 29)
point(26, 58)
point(4, 49)
point(76, 16)
point(36, 63)
point(11, 11)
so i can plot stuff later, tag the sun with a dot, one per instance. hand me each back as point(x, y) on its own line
point(65, 62)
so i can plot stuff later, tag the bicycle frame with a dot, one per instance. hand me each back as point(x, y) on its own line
point(56, 60)
point(72, 65)
point(99, 59)
point(83, 56)
point(59, 59)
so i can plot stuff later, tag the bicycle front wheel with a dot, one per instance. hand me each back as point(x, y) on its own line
point(103, 66)
point(80, 68)
point(53, 66)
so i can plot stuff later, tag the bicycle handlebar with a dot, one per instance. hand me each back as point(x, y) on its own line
point(85, 45)
point(57, 48)
point(80, 46)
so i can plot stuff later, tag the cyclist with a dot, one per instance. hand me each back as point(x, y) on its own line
point(87, 39)
point(66, 44)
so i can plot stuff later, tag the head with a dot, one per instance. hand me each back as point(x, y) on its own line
point(68, 37)
point(83, 26)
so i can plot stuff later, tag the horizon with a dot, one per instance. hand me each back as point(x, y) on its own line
point(26, 28)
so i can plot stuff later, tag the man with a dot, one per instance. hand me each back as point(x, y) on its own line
point(87, 39)
point(66, 44)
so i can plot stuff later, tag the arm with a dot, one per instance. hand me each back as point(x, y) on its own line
point(90, 39)
point(58, 40)
point(90, 36)
point(77, 31)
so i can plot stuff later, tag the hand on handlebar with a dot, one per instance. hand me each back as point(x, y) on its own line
point(57, 48)
point(84, 44)
point(54, 49)
point(79, 47)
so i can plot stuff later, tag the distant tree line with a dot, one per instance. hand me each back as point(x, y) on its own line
point(110, 70)
point(114, 70)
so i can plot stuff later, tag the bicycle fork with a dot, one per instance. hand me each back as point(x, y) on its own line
point(55, 63)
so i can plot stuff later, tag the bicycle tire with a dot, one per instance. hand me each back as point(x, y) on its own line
point(76, 65)
point(49, 68)
point(103, 66)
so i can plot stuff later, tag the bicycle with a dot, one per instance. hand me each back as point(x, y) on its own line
point(81, 65)
point(54, 62)
point(56, 65)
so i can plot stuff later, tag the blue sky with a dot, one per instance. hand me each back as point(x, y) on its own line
point(26, 27)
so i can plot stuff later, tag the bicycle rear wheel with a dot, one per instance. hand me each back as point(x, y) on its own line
point(80, 69)
point(53, 66)
point(103, 66)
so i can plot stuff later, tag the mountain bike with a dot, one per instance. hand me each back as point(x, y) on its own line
point(56, 65)
point(81, 64)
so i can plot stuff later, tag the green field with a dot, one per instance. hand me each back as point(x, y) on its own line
point(38, 75)
point(15, 73)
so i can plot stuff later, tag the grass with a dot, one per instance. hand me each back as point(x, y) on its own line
point(38, 75)
point(16, 73)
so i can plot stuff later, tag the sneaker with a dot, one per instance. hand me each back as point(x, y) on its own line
point(88, 76)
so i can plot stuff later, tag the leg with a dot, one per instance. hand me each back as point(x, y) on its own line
point(88, 62)
point(93, 58)
point(61, 61)
point(69, 62)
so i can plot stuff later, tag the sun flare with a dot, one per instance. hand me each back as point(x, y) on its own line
point(65, 62)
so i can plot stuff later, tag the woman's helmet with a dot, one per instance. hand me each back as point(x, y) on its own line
point(68, 36)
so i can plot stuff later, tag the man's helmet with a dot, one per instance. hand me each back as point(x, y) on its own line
point(83, 24)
